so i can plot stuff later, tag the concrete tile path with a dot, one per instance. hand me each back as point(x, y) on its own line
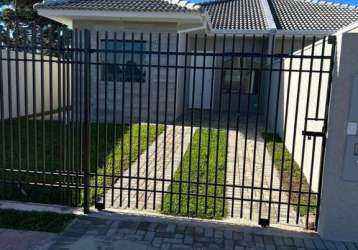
point(246, 162)
point(21, 240)
point(149, 233)
point(162, 162)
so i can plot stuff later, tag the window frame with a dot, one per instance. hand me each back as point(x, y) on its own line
point(119, 52)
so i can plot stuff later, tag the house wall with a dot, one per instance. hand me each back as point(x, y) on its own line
point(159, 82)
point(295, 96)
point(27, 75)
point(220, 96)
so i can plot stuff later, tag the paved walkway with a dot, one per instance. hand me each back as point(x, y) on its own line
point(247, 173)
point(21, 240)
point(159, 167)
point(143, 233)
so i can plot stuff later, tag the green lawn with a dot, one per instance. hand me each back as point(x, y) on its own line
point(47, 149)
point(199, 206)
point(112, 161)
point(286, 175)
point(34, 221)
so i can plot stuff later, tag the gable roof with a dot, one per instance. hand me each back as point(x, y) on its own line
point(231, 15)
point(236, 14)
point(121, 5)
point(311, 15)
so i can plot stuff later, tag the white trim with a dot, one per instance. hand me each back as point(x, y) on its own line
point(305, 32)
point(118, 15)
point(240, 32)
point(203, 27)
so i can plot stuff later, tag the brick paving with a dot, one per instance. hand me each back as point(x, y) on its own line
point(246, 171)
point(245, 164)
point(137, 232)
point(156, 167)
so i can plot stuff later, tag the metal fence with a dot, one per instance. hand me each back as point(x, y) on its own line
point(185, 124)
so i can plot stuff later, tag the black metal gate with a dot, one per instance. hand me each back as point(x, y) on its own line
point(185, 124)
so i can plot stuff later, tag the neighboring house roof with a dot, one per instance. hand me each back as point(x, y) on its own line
point(311, 15)
point(121, 5)
point(231, 15)
point(236, 14)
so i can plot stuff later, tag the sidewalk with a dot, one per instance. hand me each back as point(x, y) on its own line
point(135, 232)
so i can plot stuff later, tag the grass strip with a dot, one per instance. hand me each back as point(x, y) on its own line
point(199, 164)
point(34, 221)
point(54, 156)
point(285, 166)
point(111, 163)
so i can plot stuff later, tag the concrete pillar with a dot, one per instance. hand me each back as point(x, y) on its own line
point(339, 205)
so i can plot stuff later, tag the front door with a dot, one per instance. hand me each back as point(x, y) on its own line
point(201, 82)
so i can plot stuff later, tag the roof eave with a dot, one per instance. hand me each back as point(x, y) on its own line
point(306, 32)
point(66, 16)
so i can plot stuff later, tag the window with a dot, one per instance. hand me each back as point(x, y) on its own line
point(242, 81)
point(123, 66)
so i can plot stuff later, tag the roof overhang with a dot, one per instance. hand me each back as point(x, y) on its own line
point(67, 17)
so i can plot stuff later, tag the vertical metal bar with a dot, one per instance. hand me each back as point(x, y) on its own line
point(228, 123)
point(285, 126)
point(165, 117)
point(218, 128)
point(87, 120)
point(148, 119)
point(237, 124)
point(200, 127)
point(210, 123)
point(183, 124)
point(247, 126)
point(275, 126)
point(174, 121)
point(295, 128)
point(271, 56)
point(18, 107)
point(9, 87)
point(130, 123)
point(69, 102)
point(320, 76)
point(157, 121)
point(114, 72)
point(191, 126)
point(333, 42)
point(43, 135)
point(2, 118)
point(98, 68)
point(122, 119)
point(34, 98)
point(310, 182)
point(305, 128)
point(26, 107)
point(61, 105)
point(139, 115)
point(259, 90)
point(74, 110)
point(50, 133)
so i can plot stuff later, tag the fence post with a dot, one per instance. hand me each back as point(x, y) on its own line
point(87, 119)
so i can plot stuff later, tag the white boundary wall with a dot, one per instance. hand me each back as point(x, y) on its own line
point(314, 100)
point(8, 64)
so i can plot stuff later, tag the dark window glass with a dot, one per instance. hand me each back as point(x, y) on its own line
point(124, 61)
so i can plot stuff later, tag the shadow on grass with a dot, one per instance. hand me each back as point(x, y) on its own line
point(42, 159)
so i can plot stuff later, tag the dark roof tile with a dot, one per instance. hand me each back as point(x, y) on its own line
point(236, 14)
point(307, 15)
point(121, 5)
